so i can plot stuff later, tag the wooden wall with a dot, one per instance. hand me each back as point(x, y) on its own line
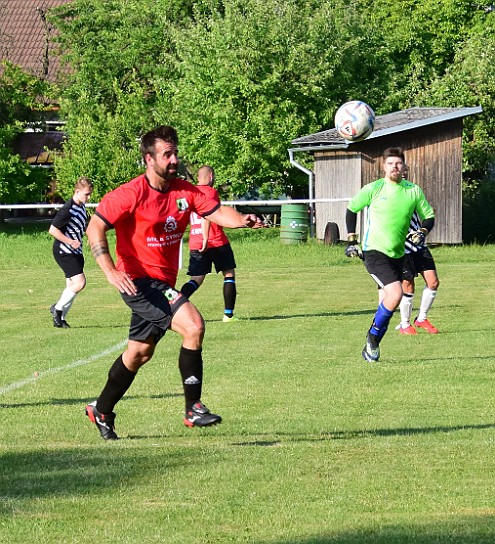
point(434, 157)
point(337, 175)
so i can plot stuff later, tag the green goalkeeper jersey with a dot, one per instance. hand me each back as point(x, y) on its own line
point(390, 208)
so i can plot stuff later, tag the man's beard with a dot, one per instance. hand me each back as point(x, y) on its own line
point(166, 173)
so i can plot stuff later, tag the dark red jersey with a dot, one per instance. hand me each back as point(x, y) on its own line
point(216, 235)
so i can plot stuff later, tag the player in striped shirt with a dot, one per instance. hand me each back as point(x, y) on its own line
point(418, 260)
point(68, 228)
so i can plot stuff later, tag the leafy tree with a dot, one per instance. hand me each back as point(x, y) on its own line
point(254, 74)
point(116, 54)
point(238, 79)
point(470, 81)
point(19, 100)
point(420, 40)
point(241, 78)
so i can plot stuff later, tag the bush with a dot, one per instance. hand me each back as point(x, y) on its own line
point(478, 217)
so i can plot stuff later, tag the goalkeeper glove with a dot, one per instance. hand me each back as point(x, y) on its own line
point(353, 249)
point(417, 237)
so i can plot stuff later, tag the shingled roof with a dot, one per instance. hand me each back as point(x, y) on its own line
point(387, 124)
point(25, 36)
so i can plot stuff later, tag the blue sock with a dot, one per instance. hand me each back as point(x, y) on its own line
point(380, 322)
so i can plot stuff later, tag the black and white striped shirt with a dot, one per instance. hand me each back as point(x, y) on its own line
point(414, 226)
point(72, 220)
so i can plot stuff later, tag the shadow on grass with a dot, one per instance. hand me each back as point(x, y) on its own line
point(73, 472)
point(83, 402)
point(297, 316)
point(476, 529)
point(351, 435)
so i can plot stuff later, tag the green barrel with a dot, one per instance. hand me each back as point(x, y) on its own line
point(294, 223)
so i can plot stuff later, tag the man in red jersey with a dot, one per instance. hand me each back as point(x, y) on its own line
point(150, 214)
point(208, 245)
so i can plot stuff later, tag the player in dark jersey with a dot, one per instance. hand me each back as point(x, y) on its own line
point(150, 214)
point(418, 260)
point(209, 245)
point(68, 228)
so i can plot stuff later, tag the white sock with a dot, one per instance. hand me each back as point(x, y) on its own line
point(66, 307)
point(405, 308)
point(426, 302)
point(66, 298)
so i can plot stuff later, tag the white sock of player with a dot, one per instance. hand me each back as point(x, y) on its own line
point(426, 302)
point(405, 308)
point(66, 308)
point(66, 298)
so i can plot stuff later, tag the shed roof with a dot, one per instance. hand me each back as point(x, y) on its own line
point(25, 36)
point(389, 123)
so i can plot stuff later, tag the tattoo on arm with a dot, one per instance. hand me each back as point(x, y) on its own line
point(99, 248)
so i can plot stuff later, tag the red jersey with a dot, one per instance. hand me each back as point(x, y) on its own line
point(149, 225)
point(216, 236)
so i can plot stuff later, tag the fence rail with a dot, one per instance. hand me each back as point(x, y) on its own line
point(255, 205)
point(42, 206)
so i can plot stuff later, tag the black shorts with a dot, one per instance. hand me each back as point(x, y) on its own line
point(417, 262)
point(382, 268)
point(200, 264)
point(153, 308)
point(71, 264)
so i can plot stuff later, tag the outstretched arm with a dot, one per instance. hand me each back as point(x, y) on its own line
point(98, 241)
point(226, 216)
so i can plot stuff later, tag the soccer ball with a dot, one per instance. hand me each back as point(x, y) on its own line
point(355, 120)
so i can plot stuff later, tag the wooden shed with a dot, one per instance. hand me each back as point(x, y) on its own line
point(431, 139)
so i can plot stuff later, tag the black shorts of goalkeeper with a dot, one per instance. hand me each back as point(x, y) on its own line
point(382, 268)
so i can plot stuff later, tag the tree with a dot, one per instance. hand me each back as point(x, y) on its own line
point(116, 54)
point(255, 74)
point(420, 40)
point(238, 79)
point(241, 78)
point(19, 101)
point(470, 81)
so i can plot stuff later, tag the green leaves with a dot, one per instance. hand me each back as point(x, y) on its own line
point(20, 96)
point(240, 79)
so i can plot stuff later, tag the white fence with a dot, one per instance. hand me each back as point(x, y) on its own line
point(253, 203)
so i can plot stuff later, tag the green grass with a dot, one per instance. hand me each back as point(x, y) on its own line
point(316, 446)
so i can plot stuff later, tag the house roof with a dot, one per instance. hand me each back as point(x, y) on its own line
point(25, 36)
point(390, 123)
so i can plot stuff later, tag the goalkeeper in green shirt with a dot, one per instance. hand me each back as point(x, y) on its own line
point(391, 202)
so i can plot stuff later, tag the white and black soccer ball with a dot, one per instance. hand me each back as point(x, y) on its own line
point(355, 120)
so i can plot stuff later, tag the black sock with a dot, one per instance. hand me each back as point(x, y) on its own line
point(188, 288)
point(191, 370)
point(119, 381)
point(229, 295)
point(373, 340)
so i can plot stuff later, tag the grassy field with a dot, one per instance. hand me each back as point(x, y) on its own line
point(316, 446)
